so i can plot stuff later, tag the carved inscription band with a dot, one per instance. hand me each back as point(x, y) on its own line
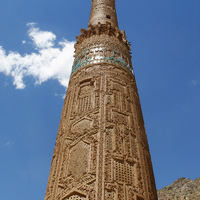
point(99, 54)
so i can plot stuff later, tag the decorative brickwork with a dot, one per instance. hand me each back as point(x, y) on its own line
point(101, 151)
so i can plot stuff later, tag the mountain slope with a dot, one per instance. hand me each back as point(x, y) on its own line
point(182, 189)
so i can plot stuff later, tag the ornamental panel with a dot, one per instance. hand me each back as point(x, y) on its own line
point(78, 160)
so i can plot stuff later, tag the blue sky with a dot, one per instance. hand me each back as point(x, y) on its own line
point(36, 39)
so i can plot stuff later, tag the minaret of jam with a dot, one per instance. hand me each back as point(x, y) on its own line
point(101, 150)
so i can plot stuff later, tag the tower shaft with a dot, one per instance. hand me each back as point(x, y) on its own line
point(101, 150)
point(103, 11)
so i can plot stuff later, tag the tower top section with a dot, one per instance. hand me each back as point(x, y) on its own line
point(104, 12)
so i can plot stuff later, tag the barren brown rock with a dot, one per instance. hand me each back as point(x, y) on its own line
point(182, 189)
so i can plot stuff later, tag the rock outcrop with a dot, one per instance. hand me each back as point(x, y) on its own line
point(182, 189)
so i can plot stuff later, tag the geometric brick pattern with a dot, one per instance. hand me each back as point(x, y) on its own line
point(101, 150)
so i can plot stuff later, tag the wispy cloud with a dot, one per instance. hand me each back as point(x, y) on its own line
point(60, 95)
point(8, 143)
point(50, 62)
point(195, 82)
point(5, 84)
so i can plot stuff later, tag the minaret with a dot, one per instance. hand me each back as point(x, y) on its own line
point(101, 150)
point(103, 12)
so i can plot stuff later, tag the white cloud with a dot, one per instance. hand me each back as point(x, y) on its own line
point(49, 62)
point(41, 39)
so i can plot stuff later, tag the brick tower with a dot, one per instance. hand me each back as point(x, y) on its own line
point(101, 151)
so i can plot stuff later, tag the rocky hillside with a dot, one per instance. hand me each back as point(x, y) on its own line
point(182, 189)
